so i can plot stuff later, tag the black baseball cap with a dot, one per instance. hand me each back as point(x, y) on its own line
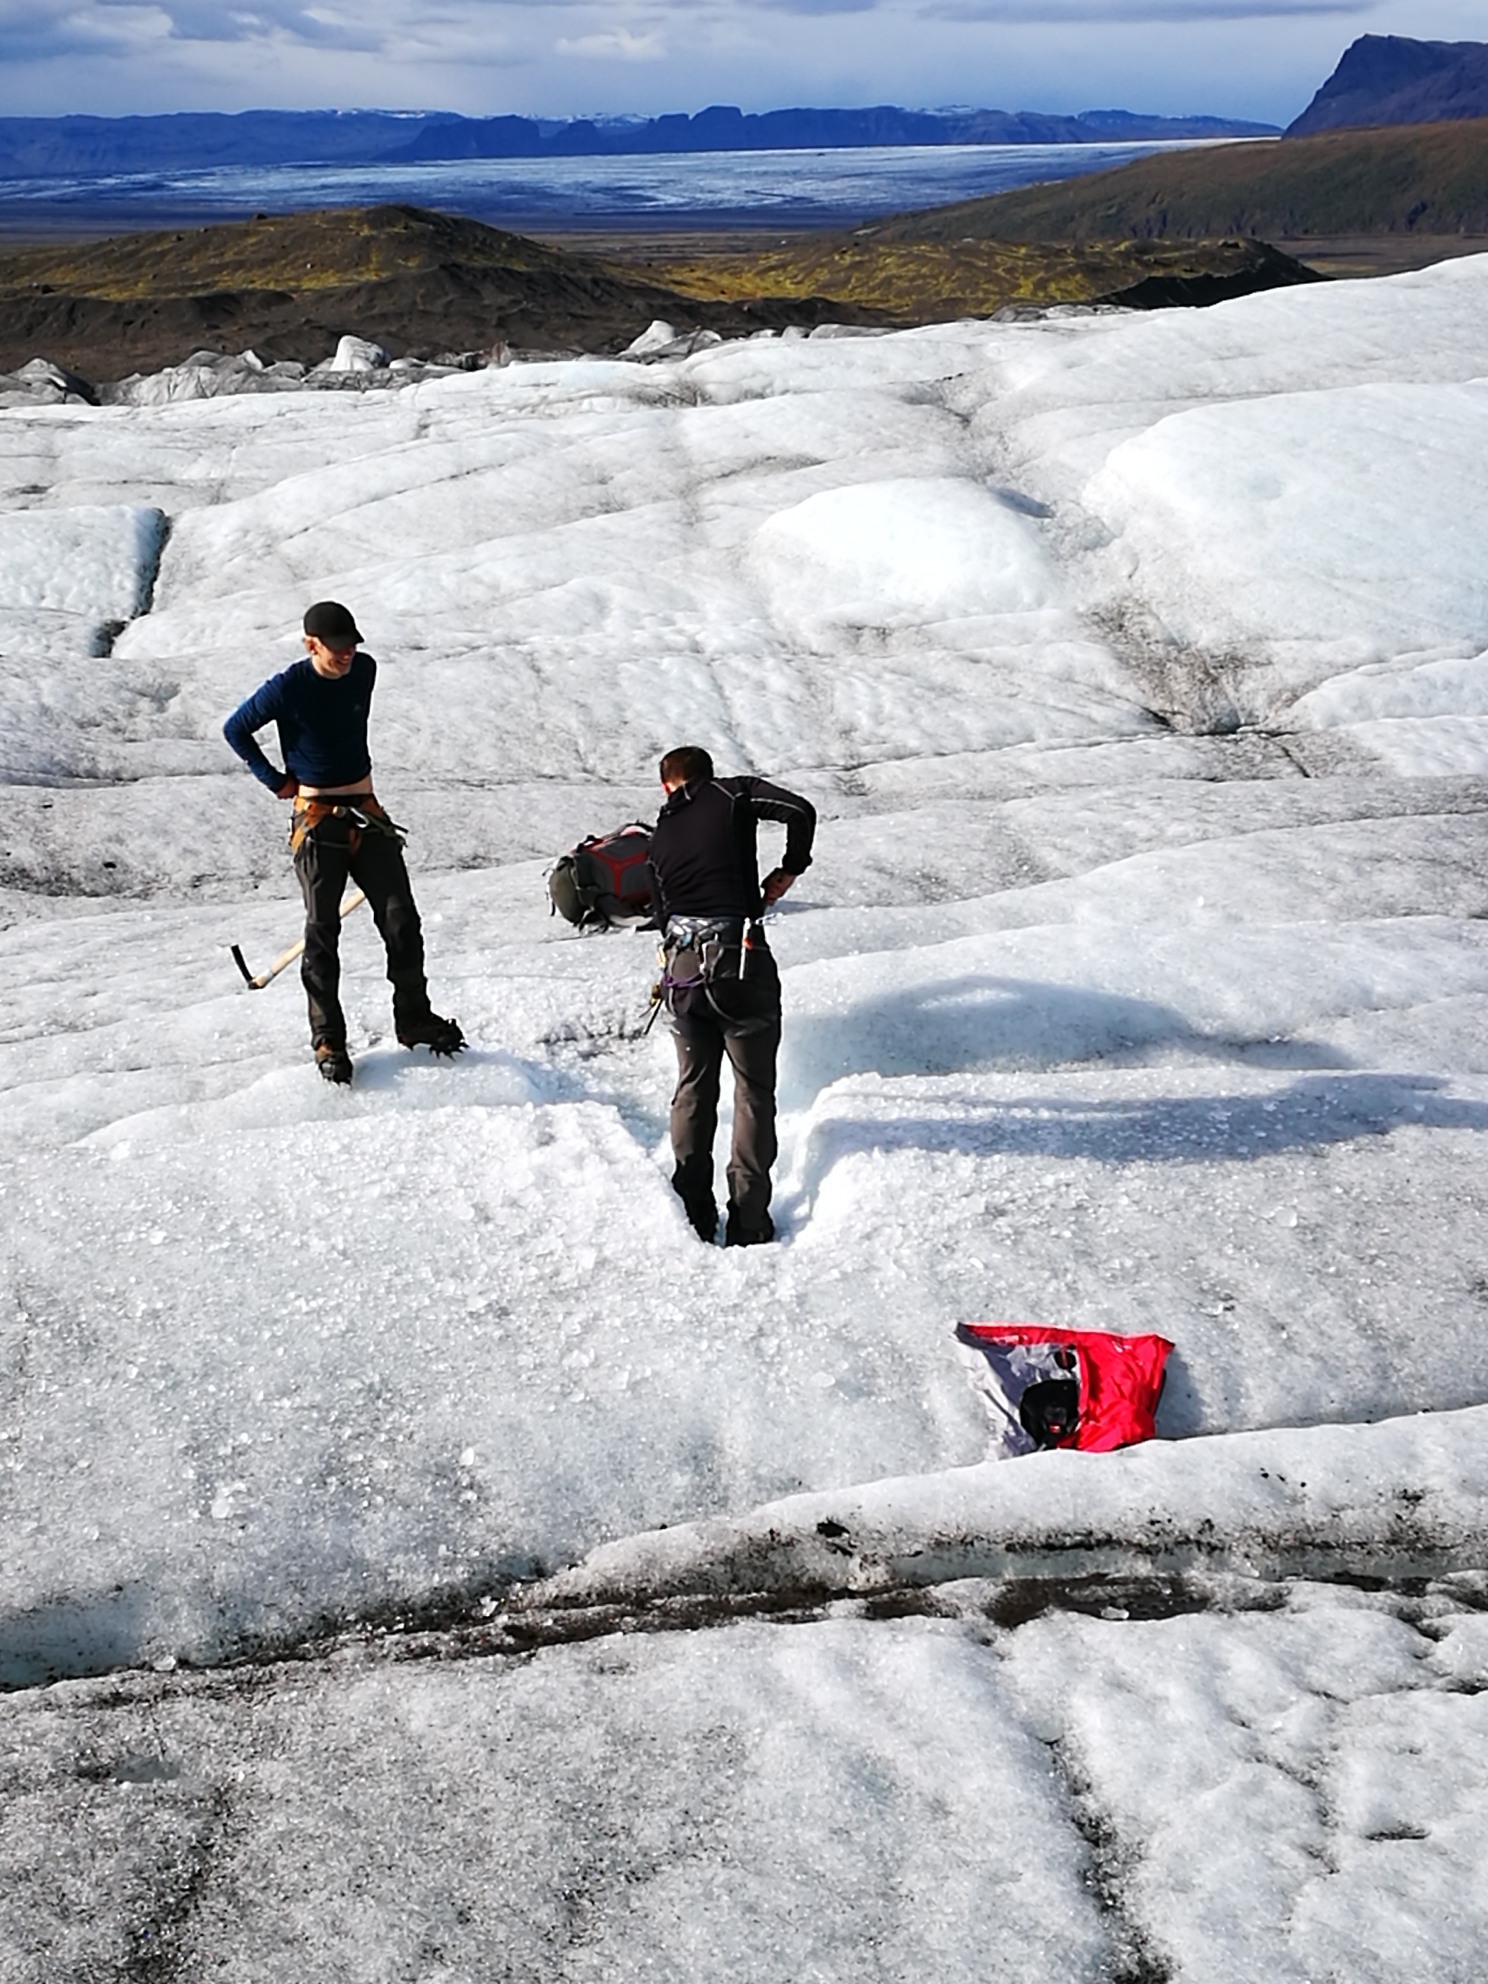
point(327, 620)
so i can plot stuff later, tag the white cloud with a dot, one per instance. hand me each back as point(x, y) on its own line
point(620, 32)
point(1251, 58)
point(818, 6)
point(615, 45)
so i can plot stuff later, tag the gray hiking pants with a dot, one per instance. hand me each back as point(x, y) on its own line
point(747, 1031)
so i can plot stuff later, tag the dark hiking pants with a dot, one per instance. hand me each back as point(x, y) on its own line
point(332, 853)
point(747, 1031)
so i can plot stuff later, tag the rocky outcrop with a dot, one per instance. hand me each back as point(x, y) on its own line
point(1227, 269)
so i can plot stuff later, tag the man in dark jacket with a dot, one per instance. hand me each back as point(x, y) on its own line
point(722, 987)
point(339, 831)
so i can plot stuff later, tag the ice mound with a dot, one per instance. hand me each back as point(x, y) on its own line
point(1425, 747)
point(1336, 526)
point(899, 554)
point(1409, 687)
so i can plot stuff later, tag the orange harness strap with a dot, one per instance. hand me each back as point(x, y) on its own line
point(363, 812)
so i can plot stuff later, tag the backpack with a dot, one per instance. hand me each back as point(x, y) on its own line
point(604, 880)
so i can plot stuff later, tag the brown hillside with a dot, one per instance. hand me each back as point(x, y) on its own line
point(1421, 178)
point(419, 283)
point(426, 284)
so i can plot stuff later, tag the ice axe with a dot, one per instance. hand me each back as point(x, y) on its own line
point(352, 902)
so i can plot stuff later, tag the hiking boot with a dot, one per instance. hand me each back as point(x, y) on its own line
point(702, 1217)
point(334, 1063)
point(439, 1036)
point(741, 1232)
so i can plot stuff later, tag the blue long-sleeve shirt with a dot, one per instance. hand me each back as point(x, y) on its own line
point(322, 725)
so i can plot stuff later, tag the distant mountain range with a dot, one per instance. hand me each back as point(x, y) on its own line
point(1389, 79)
point(1381, 79)
point(724, 128)
point(47, 147)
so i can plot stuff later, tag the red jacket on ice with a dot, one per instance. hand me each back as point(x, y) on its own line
point(1047, 1387)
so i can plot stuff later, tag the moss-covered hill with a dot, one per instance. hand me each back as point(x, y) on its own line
point(1425, 178)
point(427, 283)
point(291, 286)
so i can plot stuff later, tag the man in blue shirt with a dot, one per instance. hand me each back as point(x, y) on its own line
point(339, 832)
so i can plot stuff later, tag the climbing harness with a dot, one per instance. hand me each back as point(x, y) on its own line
point(363, 812)
point(699, 952)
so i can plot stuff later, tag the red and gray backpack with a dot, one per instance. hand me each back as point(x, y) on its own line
point(604, 880)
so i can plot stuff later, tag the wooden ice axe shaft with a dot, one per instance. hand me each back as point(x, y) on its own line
point(353, 901)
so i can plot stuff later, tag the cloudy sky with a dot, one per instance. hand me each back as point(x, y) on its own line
point(1249, 58)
